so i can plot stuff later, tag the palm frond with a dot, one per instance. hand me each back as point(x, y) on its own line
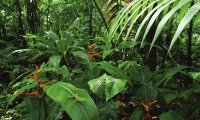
point(150, 11)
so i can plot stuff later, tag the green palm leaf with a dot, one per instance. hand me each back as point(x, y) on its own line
point(76, 102)
point(130, 14)
point(186, 19)
point(147, 18)
point(164, 20)
point(153, 18)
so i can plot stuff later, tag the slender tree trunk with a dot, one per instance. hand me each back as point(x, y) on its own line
point(189, 44)
point(90, 18)
point(188, 81)
point(21, 31)
point(101, 14)
point(3, 30)
point(33, 16)
point(151, 59)
point(48, 12)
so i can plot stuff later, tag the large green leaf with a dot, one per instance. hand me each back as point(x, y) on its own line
point(66, 41)
point(54, 61)
point(169, 73)
point(37, 109)
point(76, 102)
point(52, 35)
point(148, 92)
point(142, 74)
point(107, 86)
point(170, 116)
point(137, 114)
point(83, 58)
point(65, 73)
point(168, 95)
point(31, 108)
point(195, 75)
point(113, 70)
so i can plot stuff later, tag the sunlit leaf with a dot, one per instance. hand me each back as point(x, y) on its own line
point(107, 86)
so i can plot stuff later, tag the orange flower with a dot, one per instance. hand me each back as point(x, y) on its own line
point(146, 107)
point(90, 47)
point(38, 70)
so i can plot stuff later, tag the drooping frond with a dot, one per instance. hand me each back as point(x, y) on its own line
point(151, 12)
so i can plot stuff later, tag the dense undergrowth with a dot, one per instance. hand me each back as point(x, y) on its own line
point(127, 60)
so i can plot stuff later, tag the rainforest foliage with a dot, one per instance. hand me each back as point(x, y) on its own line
point(99, 59)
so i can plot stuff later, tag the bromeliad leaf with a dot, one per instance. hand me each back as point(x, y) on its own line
point(54, 61)
point(73, 100)
point(107, 86)
point(84, 59)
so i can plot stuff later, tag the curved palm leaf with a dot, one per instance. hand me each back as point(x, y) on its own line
point(186, 19)
point(164, 21)
point(189, 12)
point(153, 18)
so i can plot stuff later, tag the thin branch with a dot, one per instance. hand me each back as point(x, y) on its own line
point(101, 14)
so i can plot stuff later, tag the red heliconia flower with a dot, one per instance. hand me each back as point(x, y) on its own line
point(35, 78)
point(35, 93)
point(90, 52)
point(91, 47)
point(39, 83)
point(38, 70)
point(146, 107)
point(43, 84)
point(152, 103)
point(147, 115)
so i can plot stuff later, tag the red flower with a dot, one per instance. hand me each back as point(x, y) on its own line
point(35, 93)
point(147, 115)
point(43, 84)
point(35, 78)
point(90, 52)
point(39, 84)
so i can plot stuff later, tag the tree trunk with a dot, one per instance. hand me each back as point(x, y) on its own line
point(90, 18)
point(21, 31)
point(32, 16)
